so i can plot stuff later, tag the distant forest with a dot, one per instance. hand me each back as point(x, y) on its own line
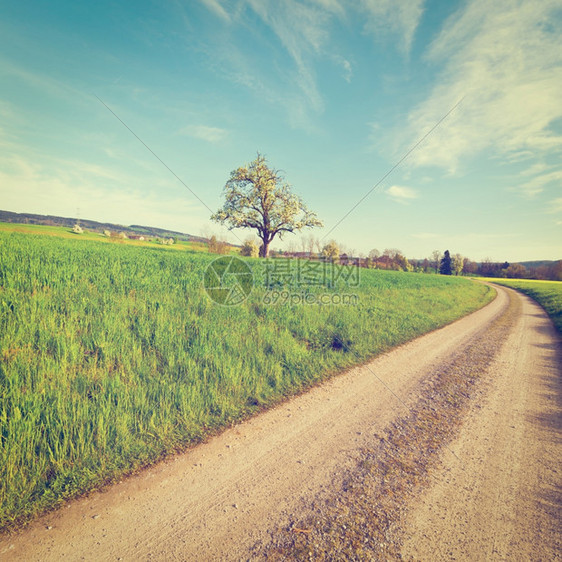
point(550, 270)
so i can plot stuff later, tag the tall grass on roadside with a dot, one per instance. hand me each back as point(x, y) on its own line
point(113, 355)
point(547, 293)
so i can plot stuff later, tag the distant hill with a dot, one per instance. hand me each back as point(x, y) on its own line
point(51, 220)
point(538, 263)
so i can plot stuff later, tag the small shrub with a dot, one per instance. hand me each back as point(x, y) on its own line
point(217, 246)
point(250, 249)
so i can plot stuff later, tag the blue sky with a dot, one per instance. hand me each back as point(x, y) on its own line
point(333, 92)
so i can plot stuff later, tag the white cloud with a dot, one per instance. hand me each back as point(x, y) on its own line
point(203, 132)
point(505, 59)
point(536, 168)
point(399, 17)
point(345, 65)
point(241, 70)
point(401, 194)
point(331, 6)
point(536, 185)
point(347, 69)
point(301, 29)
point(216, 7)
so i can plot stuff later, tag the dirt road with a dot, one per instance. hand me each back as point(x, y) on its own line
point(501, 501)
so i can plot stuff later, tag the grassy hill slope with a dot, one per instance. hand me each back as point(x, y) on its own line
point(112, 355)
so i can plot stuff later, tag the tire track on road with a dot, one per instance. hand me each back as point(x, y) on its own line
point(362, 518)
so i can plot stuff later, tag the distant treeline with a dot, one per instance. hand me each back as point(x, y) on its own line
point(445, 263)
point(548, 270)
point(51, 220)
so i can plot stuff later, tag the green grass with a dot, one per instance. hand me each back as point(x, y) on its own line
point(112, 355)
point(547, 293)
point(87, 235)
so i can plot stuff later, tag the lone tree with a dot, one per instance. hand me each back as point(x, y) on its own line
point(258, 197)
point(445, 266)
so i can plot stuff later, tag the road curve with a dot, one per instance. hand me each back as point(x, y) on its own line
point(220, 498)
point(503, 501)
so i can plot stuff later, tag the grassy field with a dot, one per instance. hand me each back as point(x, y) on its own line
point(112, 355)
point(547, 293)
point(62, 232)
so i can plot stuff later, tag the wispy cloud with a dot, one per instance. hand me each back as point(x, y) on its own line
point(402, 194)
point(536, 185)
point(43, 83)
point(333, 6)
point(348, 71)
point(295, 29)
point(203, 132)
point(303, 31)
point(217, 8)
point(505, 58)
point(346, 66)
point(536, 168)
point(401, 18)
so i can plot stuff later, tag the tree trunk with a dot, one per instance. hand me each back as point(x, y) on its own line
point(264, 249)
